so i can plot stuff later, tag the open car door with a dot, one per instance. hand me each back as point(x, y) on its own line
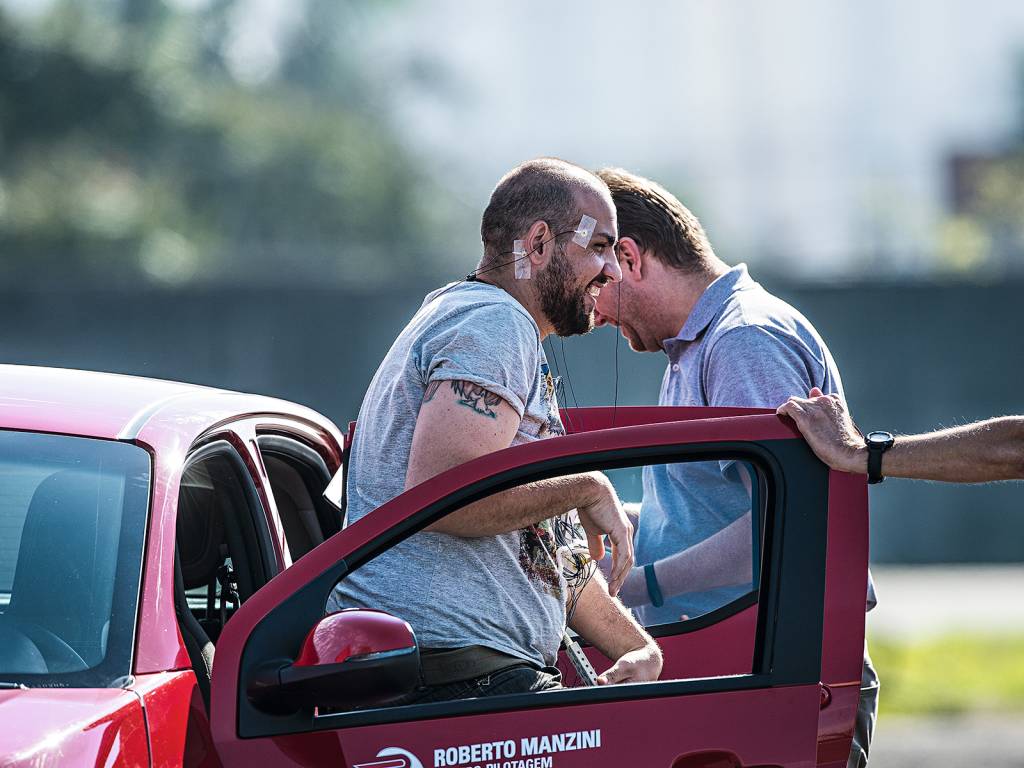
point(770, 678)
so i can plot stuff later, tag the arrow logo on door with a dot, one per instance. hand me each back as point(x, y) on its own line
point(399, 758)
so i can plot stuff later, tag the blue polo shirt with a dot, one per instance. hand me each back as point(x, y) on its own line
point(740, 346)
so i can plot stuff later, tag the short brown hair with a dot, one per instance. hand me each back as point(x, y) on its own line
point(545, 189)
point(652, 216)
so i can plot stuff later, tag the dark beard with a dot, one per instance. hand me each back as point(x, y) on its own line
point(560, 301)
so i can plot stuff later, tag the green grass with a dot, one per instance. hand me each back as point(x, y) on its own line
point(950, 674)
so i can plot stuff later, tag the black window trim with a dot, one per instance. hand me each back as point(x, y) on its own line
point(221, 446)
point(312, 469)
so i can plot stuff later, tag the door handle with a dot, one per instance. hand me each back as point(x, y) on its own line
point(714, 759)
point(709, 759)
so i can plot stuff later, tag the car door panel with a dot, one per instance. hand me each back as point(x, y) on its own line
point(765, 717)
point(72, 726)
point(745, 723)
point(717, 647)
point(843, 633)
point(176, 719)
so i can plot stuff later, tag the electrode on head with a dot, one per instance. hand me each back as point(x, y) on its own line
point(584, 231)
point(521, 260)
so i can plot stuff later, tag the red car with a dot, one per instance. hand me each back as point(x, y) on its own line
point(146, 524)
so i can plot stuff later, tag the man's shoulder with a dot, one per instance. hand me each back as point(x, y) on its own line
point(474, 304)
point(755, 311)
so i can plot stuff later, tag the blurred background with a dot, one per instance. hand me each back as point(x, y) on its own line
point(255, 194)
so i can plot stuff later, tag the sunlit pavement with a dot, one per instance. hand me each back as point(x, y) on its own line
point(987, 741)
point(924, 601)
point(915, 600)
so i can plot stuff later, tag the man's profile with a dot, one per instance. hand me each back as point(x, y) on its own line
point(482, 587)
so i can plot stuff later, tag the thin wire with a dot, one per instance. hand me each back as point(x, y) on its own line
point(559, 382)
point(572, 391)
point(618, 319)
point(477, 272)
point(578, 568)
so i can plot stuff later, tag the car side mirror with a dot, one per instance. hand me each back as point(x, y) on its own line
point(357, 657)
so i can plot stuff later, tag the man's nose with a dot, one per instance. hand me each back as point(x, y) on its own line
point(600, 318)
point(612, 270)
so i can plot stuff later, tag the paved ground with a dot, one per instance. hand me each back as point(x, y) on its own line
point(918, 601)
point(915, 600)
point(974, 742)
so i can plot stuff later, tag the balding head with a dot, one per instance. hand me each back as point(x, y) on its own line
point(546, 189)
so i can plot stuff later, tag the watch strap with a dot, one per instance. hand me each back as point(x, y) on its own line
point(877, 443)
point(875, 452)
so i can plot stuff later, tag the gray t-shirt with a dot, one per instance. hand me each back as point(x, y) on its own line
point(504, 592)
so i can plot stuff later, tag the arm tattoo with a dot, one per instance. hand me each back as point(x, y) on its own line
point(431, 390)
point(476, 397)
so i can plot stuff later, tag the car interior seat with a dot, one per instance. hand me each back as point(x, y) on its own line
point(64, 578)
point(211, 552)
point(294, 506)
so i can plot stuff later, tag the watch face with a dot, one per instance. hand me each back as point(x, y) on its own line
point(878, 437)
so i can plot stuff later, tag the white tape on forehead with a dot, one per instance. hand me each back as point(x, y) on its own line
point(584, 231)
point(522, 260)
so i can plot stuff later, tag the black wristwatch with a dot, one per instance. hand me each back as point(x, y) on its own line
point(877, 444)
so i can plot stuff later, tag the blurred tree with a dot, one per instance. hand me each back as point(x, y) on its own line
point(985, 229)
point(141, 139)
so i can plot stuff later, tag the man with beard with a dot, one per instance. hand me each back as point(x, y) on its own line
point(468, 376)
point(729, 343)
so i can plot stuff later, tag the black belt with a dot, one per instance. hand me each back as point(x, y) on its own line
point(451, 665)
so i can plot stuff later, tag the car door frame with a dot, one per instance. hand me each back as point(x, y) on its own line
point(310, 580)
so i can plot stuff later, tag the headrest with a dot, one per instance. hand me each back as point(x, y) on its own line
point(64, 579)
point(200, 534)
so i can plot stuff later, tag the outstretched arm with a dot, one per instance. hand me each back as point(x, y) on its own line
point(974, 453)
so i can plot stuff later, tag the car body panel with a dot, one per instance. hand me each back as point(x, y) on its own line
point(81, 402)
point(109, 726)
point(223, 705)
point(72, 727)
point(747, 724)
point(843, 631)
point(117, 407)
point(168, 419)
point(177, 721)
point(169, 438)
point(725, 647)
point(780, 723)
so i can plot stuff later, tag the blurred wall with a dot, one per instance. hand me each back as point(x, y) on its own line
point(913, 357)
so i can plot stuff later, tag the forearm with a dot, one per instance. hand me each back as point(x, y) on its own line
point(721, 560)
point(606, 624)
point(518, 507)
point(974, 453)
point(632, 510)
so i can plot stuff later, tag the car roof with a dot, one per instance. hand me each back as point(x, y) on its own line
point(116, 406)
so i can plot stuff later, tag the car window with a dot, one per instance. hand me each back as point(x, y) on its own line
point(72, 521)
point(223, 552)
point(453, 594)
point(698, 533)
point(298, 476)
point(223, 543)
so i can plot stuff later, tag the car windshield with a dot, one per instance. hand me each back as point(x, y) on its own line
point(72, 522)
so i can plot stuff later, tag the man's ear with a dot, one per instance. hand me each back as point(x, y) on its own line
point(537, 244)
point(632, 259)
